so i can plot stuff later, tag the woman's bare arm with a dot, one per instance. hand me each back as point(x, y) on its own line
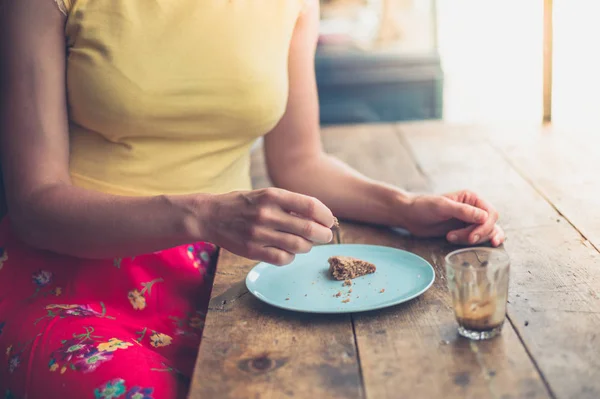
point(45, 209)
point(295, 156)
point(48, 212)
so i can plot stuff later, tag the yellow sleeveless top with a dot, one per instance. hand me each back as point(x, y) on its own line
point(168, 96)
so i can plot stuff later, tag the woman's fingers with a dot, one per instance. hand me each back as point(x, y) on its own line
point(305, 206)
point(290, 243)
point(486, 229)
point(464, 236)
point(460, 236)
point(471, 208)
point(299, 226)
point(463, 212)
point(272, 255)
point(498, 236)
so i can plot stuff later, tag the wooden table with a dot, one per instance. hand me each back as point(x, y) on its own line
point(546, 186)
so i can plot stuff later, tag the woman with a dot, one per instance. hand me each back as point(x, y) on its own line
point(127, 127)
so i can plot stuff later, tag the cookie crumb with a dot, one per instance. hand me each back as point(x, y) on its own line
point(347, 283)
point(350, 290)
point(346, 300)
point(339, 294)
point(382, 291)
point(287, 299)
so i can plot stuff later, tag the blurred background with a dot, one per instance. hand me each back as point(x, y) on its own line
point(465, 61)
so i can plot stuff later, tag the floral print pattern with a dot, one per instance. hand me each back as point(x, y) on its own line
point(14, 361)
point(191, 325)
point(42, 278)
point(113, 344)
point(63, 311)
point(116, 388)
point(84, 353)
point(137, 298)
point(91, 361)
point(201, 254)
point(139, 393)
point(14, 354)
point(88, 336)
point(111, 390)
point(73, 348)
point(158, 340)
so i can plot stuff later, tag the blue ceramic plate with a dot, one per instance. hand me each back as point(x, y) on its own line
point(306, 286)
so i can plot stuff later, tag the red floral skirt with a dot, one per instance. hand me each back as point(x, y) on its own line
point(118, 328)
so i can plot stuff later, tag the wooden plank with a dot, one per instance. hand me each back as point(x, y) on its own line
point(554, 304)
point(456, 157)
point(252, 350)
point(562, 165)
point(555, 280)
point(382, 147)
point(307, 355)
point(413, 350)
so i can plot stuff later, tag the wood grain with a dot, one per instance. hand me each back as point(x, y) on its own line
point(458, 157)
point(372, 149)
point(304, 356)
point(252, 350)
point(557, 290)
point(413, 350)
point(562, 165)
point(555, 305)
point(555, 279)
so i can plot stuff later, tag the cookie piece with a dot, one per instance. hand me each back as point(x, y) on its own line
point(346, 267)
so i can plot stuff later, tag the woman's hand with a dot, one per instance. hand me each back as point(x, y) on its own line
point(270, 225)
point(463, 217)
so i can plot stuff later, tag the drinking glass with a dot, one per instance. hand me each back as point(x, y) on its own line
point(478, 281)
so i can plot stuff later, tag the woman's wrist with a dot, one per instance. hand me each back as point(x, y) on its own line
point(388, 205)
point(193, 216)
point(401, 202)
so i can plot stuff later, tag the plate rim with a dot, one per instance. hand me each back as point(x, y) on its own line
point(342, 311)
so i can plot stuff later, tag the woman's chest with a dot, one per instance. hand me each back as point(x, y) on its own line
point(178, 67)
